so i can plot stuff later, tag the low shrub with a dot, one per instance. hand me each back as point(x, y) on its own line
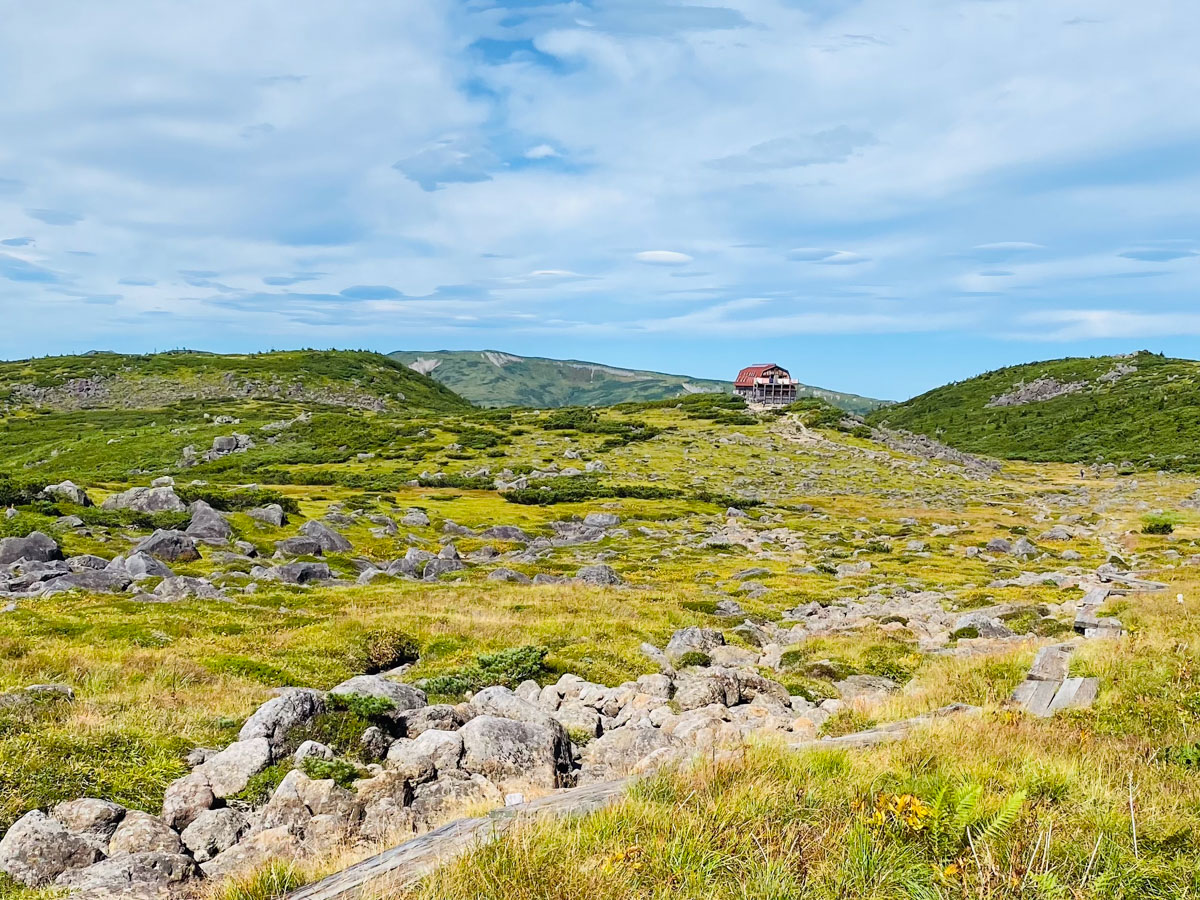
point(386, 648)
point(694, 658)
point(235, 499)
point(504, 667)
point(344, 774)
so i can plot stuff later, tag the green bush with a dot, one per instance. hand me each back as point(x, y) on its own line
point(17, 491)
point(343, 773)
point(505, 667)
point(967, 633)
point(694, 658)
point(385, 648)
point(1158, 525)
point(262, 785)
point(235, 499)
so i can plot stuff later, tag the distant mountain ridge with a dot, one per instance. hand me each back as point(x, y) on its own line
point(103, 380)
point(1141, 408)
point(495, 378)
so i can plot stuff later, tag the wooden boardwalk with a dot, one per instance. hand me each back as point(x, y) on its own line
point(405, 865)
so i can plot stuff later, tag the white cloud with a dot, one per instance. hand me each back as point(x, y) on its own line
point(662, 258)
point(541, 151)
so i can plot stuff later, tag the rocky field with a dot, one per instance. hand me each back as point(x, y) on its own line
point(250, 640)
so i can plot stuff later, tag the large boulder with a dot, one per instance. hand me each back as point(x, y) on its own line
point(140, 832)
point(37, 849)
point(299, 798)
point(437, 567)
point(439, 717)
point(133, 876)
point(186, 798)
point(257, 849)
point(214, 831)
point(181, 587)
point(36, 547)
point(90, 818)
point(143, 565)
point(515, 754)
point(300, 573)
point(693, 640)
point(271, 514)
point(301, 545)
point(146, 499)
point(506, 533)
point(430, 754)
point(437, 800)
point(172, 546)
point(403, 697)
point(617, 753)
point(208, 525)
point(69, 491)
point(599, 575)
point(101, 581)
point(275, 719)
point(330, 540)
point(230, 770)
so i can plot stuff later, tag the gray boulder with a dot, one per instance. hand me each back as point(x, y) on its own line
point(186, 798)
point(143, 565)
point(510, 575)
point(330, 540)
point(69, 491)
point(439, 717)
point(506, 533)
point(271, 514)
point(100, 582)
point(438, 567)
point(866, 687)
point(90, 817)
point(514, 754)
point(276, 718)
point(37, 849)
point(171, 546)
point(146, 499)
point(403, 697)
point(601, 520)
point(208, 525)
point(36, 547)
point(693, 640)
point(230, 770)
point(213, 832)
point(134, 876)
point(301, 545)
point(301, 572)
point(140, 832)
point(617, 753)
point(599, 575)
point(181, 587)
point(999, 545)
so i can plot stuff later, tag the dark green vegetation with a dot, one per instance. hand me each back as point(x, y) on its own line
point(343, 378)
point(492, 378)
point(1149, 417)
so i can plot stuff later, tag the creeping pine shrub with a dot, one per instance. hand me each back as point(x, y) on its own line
point(234, 499)
point(505, 667)
point(17, 491)
point(967, 633)
point(343, 773)
point(385, 648)
point(1157, 525)
point(694, 658)
point(341, 726)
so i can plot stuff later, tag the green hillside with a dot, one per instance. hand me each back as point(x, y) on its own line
point(103, 380)
point(1142, 408)
point(492, 378)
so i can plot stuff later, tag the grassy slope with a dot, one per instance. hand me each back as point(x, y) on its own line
point(1150, 417)
point(155, 679)
point(544, 383)
point(347, 377)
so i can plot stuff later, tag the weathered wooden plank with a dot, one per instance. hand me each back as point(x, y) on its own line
point(1051, 664)
point(403, 866)
point(411, 861)
point(1075, 693)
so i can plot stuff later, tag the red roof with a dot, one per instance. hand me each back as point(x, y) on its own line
point(746, 377)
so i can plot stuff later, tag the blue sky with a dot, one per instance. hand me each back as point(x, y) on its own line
point(882, 196)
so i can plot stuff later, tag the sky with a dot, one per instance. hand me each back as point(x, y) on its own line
point(882, 196)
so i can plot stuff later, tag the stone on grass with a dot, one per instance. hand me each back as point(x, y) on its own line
point(37, 849)
point(275, 719)
point(140, 832)
point(214, 831)
point(169, 545)
point(330, 540)
point(134, 876)
point(146, 499)
point(511, 753)
point(599, 575)
point(208, 525)
point(35, 547)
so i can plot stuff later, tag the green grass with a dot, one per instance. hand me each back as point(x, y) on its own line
point(1150, 418)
